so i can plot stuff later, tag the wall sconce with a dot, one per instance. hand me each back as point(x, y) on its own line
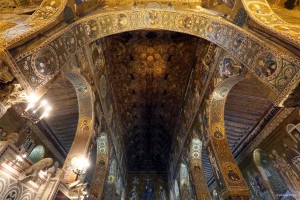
point(79, 166)
point(36, 110)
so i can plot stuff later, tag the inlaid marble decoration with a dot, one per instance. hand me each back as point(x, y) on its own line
point(11, 189)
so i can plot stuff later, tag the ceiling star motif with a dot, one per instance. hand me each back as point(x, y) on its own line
point(149, 72)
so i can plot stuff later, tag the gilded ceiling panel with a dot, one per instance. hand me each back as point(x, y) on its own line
point(149, 72)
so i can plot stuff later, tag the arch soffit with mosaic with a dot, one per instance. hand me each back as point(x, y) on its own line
point(222, 158)
point(43, 18)
point(217, 106)
point(252, 52)
point(84, 132)
point(261, 12)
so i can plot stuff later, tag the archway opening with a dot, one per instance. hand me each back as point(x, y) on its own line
point(245, 107)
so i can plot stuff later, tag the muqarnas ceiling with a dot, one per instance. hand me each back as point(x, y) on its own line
point(149, 72)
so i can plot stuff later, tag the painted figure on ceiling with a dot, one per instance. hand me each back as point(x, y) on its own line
point(267, 65)
point(229, 67)
point(232, 175)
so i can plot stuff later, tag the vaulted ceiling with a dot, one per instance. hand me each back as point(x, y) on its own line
point(149, 72)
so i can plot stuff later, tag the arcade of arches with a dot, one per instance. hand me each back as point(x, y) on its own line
point(149, 100)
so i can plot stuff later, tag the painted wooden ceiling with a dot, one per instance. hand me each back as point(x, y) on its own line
point(245, 107)
point(62, 122)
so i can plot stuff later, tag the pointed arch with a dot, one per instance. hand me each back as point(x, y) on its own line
point(227, 173)
point(283, 68)
point(84, 133)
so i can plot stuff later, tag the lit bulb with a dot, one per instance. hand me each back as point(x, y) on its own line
point(80, 163)
point(32, 98)
point(30, 105)
point(44, 102)
point(24, 155)
point(45, 114)
point(48, 108)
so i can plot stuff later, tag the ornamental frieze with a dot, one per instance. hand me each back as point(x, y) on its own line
point(278, 70)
